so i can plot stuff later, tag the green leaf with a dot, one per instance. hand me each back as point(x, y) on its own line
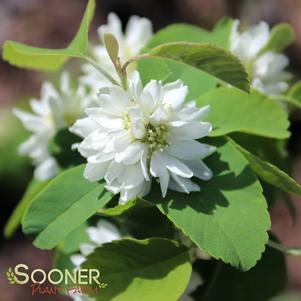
point(234, 111)
point(261, 283)
point(153, 68)
point(206, 57)
point(14, 221)
point(112, 46)
point(63, 262)
point(161, 69)
point(119, 209)
point(169, 71)
point(180, 33)
point(269, 149)
point(274, 152)
point(219, 36)
point(145, 220)
point(74, 239)
point(25, 56)
point(269, 172)
point(151, 269)
point(222, 32)
point(295, 91)
point(64, 204)
point(228, 218)
point(192, 78)
point(282, 35)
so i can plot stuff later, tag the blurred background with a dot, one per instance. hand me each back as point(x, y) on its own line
point(52, 23)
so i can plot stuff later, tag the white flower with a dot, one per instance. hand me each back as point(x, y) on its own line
point(54, 111)
point(104, 232)
point(137, 33)
point(143, 133)
point(194, 282)
point(266, 68)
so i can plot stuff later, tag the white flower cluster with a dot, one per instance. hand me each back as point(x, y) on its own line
point(56, 109)
point(133, 136)
point(265, 68)
point(104, 232)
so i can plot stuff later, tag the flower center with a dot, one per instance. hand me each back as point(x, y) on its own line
point(156, 137)
point(127, 121)
point(69, 118)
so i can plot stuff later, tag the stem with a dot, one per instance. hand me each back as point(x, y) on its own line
point(101, 70)
point(124, 79)
point(122, 74)
point(134, 59)
point(286, 250)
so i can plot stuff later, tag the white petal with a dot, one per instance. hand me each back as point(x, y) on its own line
point(38, 107)
point(120, 97)
point(93, 144)
point(116, 102)
point(248, 44)
point(135, 85)
point(48, 91)
point(270, 65)
point(84, 127)
point(34, 145)
point(106, 121)
point(95, 171)
point(164, 181)
point(176, 166)
point(131, 155)
point(175, 97)
point(114, 27)
point(154, 88)
point(147, 104)
point(122, 141)
point(132, 176)
point(65, 83)
point(193, 113)
point(46, 170)
point(157, 166)
point(77, 259)
point(140, 190)
point(200, 169)
point(86, 249)
point(161, 161)
point(114, 170)
point(161, 115)
point(189, 130)
point(143, 163)
point(138, 32)
point(104, 232)
point(100, 158)
point(138, 128)
point(31, 122)
point(189, 150)
point(182, 184)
